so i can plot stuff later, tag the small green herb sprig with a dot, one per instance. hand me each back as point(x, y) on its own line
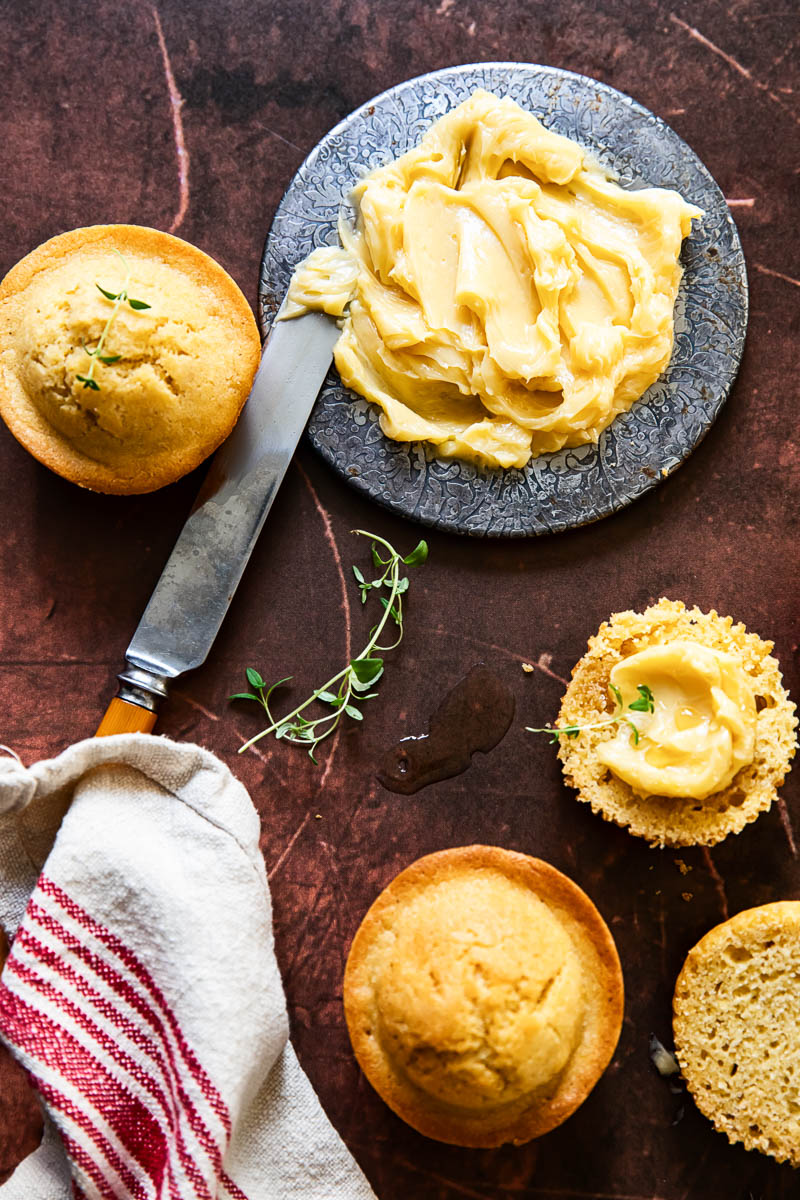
point(119, 298)
point(645, 703)
point(361, 673)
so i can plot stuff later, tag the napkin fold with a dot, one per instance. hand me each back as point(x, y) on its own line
point(142, 993)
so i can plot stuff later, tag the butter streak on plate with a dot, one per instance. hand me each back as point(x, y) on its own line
point(572, 486)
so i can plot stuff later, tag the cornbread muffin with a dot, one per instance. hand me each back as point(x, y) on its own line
point(182, 367)
point(736, 1012)
point(675, 820)
point(483, 996)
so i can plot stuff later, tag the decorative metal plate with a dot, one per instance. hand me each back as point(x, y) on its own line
point(572, 487)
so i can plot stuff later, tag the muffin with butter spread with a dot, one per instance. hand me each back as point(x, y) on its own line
point(483, 996)
point(126, 355)
point(676, 725)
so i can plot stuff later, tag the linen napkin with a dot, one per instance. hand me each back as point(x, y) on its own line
point(142, 993)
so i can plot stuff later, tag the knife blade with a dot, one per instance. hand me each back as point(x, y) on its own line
point(191, 598)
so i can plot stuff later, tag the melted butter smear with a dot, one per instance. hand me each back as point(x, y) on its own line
point(702, 730)
point(505, 298)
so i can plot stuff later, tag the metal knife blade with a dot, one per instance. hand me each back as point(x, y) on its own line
point(191, 598)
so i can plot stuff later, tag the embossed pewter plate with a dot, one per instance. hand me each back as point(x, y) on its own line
point(572, 487)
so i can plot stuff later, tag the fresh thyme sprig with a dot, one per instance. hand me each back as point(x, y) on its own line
point(361, 673)
point(119, 298)
point(645, 703)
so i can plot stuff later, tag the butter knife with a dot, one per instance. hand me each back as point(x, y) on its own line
point(191, 598)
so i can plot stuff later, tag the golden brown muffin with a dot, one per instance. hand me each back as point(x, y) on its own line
point(736, 1012)
point(483, 996)
point(670, 820)
point(182, 368)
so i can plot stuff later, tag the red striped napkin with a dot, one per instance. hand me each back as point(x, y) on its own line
point(141, 993)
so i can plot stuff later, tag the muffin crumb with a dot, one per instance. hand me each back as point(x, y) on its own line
point(735, 1015)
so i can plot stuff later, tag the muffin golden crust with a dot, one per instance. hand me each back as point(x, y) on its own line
point(182, 367)
point(735, 1015)
point(483, 996)
point(671, 820)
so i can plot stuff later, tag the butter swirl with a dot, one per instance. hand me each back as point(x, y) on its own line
point(702, 729)
point(509, 298)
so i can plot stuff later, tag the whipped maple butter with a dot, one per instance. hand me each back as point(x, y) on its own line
point(326, 279)
point(505, 297)
point(702, 729)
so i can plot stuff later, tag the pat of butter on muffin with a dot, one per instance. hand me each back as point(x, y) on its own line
point(755, 753)
point(701, 731)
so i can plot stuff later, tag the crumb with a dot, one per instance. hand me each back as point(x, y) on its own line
point(527, 668)
point(658, 893)
point(662, 1059)
point(664, 472)
point(686, 896)
point(683, 867)
point(317, 816)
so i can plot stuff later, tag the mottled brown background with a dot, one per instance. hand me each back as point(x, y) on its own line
point(95, 101)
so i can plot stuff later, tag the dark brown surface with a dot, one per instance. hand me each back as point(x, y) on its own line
point(92, 100)
point(474, 717)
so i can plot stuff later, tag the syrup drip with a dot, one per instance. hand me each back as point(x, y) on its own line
point(475, 715)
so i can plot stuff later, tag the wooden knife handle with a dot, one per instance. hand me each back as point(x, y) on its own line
point(122, 717)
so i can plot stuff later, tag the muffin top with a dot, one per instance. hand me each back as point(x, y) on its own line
point(483, 996)
point(167, 383)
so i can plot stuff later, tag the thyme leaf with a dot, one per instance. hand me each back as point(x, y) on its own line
point(645, 703)
point(349, 687)
point(118, 299)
